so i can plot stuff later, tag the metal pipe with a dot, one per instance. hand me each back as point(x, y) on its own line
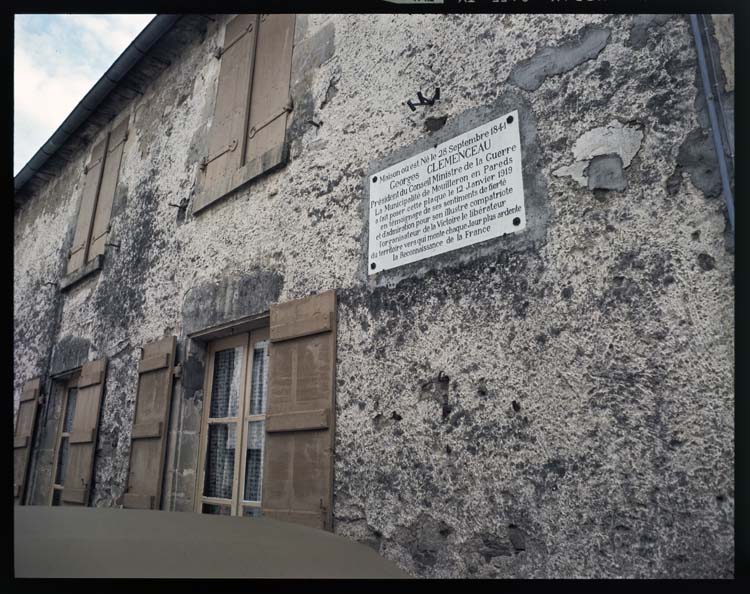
point(718, 145)
point(716, 76)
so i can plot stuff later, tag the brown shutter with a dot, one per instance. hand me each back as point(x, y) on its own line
point(298, 468)
point(269, 101)
point(228, 129)
point(77, 484)
point(107, 190)
point(150, 425)
point(23, 436)
point(92, 181)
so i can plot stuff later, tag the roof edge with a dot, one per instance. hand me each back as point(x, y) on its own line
point(137, 49)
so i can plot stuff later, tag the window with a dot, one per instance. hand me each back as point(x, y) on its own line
point(233, 432)
point(267, 434)
point(246, 137)
point(100, 180)
point(62, 447)
point(73, 462)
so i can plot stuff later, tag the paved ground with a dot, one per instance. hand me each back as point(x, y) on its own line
point(106, 542)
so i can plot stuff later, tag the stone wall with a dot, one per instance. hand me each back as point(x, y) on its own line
point(554, 403)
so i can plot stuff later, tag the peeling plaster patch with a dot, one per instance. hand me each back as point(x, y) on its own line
point(641, 24)
point(612, 139)
point(548, 61)
point(697, 157)
point(605, 173)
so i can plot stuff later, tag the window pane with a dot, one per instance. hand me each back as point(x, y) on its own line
point(254, 460)
point(225, 389)
point(62, 461)
point(220, 460)
point(217, 510)
point(70, 410)
point(258, 378)
point(252, 512)
point(56, 497)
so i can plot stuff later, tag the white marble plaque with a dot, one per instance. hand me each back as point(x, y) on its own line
point(465, 190)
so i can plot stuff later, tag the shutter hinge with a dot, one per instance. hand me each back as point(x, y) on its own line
point(288, 106)
point(227, 149)
point(221, 50)
point(177, 371)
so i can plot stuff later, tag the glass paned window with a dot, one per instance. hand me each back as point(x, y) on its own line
point(254, 460)
point(56, 497)
point(70, 410)
point(259, 380)
point(219, 474)
point(217, 510)
point(225, 389)
point(62, 461)
point(252, 512)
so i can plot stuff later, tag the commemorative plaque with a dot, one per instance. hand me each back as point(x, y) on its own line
point(463, 191)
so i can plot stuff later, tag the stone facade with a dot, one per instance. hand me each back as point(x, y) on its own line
point(553, 403)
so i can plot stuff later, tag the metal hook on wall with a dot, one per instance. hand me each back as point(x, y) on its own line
point(424, 100)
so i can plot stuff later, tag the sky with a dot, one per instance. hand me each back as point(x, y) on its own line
point(57, 59)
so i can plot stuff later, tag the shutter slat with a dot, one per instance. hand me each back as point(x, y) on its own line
point(133, 501)
point(29, 395)
point(23, 435)
point(107, 189)
point(146, 430)
point(229, 124)
point(148, 441)
point(319, 322)
point(83, 434)
point(298, 461)
point(153, 363)
point(90, 379)
point(91, 184)
point(300, 421)
point(71, 495)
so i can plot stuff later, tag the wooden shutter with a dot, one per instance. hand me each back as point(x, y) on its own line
point(269, 103)
point(77, 483)
point(23, 436)
point(150, 424)
point(228, 129)
point(91, 183)
point(107, 189)
point(298, 468)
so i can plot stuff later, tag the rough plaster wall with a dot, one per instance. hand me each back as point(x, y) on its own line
point(554, 404)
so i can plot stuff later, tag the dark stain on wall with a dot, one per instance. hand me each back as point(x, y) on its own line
point(69, 353)
point(119, 296)
point(229, 299)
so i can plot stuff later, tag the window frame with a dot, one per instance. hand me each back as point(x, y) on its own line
point(64, 386)
point(248, 339)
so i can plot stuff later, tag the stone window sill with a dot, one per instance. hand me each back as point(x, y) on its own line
point(85, 271)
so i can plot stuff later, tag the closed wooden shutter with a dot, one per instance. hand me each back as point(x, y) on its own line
point(269, 103)
point(150, 425)
point(107, 190)
point(229, 126)
point(23, 436)
point(91, 183)
point(298, 468)
point(77, 485)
